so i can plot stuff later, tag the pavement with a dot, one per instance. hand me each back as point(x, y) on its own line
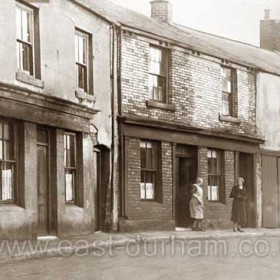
point(46, 247)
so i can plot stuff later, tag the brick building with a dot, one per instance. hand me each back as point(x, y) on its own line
point(186, 108)
point(55, 124)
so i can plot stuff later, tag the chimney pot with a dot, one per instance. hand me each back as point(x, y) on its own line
point(161, 10)
point(267, 14)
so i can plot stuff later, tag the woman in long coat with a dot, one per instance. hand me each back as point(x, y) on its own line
point(197, 205)
point(239, 212)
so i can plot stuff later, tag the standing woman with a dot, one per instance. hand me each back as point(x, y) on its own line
point(197, 205)
point(238, 214)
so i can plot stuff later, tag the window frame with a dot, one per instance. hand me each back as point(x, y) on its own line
point(155, 169)
point(74, 169)
point(220, 174)
point(88, 65)
point(14, 162)
point(165, 56)
point(232, 94)
point(31, 44)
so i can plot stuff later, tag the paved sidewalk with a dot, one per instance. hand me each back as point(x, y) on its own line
point(55, 247)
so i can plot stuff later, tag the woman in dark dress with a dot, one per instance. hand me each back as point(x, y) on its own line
point(239, 214)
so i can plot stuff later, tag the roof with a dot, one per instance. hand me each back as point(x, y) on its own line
point(234, 51)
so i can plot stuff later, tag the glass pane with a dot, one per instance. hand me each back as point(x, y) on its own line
point(18, 22)
point(143, 157)
point(25, 57)
point(19, 58)
point(149, 158)
point(7, 181)
point(226, 80)
point(76, 48)
point(150, 191)
point(72, 150)
point(142, 190)
point(82, 77)
point(149, 177)
point(210, 166)
point(69, 182)
point(215, 195)
point(26, 18)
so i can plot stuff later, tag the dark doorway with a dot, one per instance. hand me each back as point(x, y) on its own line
point(186, 166)
point(246, 171)
point(103, 195)
point(43, 181)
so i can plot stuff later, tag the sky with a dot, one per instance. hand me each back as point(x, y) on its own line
point(234, 19)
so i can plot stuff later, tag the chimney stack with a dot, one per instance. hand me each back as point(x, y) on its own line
point(267, 14)
point(270, 33)
point(161, 10)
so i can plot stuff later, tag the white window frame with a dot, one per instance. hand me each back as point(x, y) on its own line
point(84, 35)
point(31, 43)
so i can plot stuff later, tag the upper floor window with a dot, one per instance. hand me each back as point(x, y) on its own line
point(228, 91)
point(157, 74)
point(215, 175)
point(7, 162)
point(25, 38)
point(149, 169)
point(82, 60)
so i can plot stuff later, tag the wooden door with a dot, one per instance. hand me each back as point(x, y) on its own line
point(270, 191)
point(186, 174)
point(42, 189)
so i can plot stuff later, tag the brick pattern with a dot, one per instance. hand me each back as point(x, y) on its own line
point(194, 88)
point(145, 210)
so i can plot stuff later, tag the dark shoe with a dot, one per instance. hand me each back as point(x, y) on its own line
point(234, 230)
point(201, 229)
point(194, 229)
point(240, 230)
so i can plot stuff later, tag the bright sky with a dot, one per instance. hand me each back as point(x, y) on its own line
point(235, 19)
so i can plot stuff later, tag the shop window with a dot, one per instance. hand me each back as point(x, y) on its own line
point(149, 170)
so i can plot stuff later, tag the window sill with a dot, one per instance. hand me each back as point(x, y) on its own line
point(229, 119)
point(10, 207)
point(81, 94)
point(30, 80)
point(159, 105)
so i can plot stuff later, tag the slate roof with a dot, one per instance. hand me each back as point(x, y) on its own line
point(234, 51)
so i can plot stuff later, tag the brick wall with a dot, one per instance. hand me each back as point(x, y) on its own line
point(148, 210)
point(217, 214)
point(194, 88)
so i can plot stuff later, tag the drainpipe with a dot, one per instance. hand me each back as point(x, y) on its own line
point(114, 153)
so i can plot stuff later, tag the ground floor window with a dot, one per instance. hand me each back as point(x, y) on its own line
point(149, 169)
point(215, 175)
point(70, 167)
point(7, 161)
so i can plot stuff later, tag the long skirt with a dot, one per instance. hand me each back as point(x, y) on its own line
point(239, 212)
point(196, 209)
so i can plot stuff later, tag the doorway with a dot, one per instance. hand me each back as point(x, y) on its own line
point(186, 167)
point(246, 171)
point(43, 181)
point(102, 194)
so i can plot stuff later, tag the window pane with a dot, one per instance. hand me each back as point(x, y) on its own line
point(142, 190)
point(226, 79)
point(26, 18)
point(150, 191)
point(7, 181)
point(69, 181)
point(81, 76)
point(25, 57)
point(76, 48)
point(18, 22)
point(149, 158)
point(143, 157)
